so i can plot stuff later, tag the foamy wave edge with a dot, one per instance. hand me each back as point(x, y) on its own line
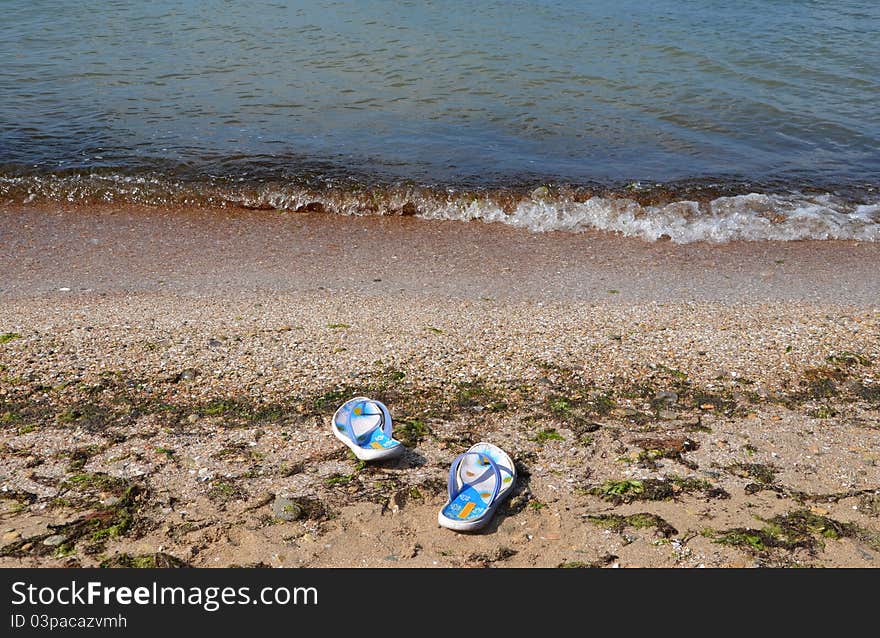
point(751, 217)
point(746, 217)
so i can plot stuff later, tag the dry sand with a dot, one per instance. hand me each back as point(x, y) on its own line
point(167, 380)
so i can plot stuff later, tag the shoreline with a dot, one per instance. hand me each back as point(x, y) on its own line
point(718, 409)
point(111, 249)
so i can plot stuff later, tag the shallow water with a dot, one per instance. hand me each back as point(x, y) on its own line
point(274, 103)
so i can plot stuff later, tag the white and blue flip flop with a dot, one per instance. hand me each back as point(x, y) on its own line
point(364, 425)
point(479, 480)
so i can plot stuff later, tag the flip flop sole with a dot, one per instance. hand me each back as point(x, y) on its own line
point(472, 525)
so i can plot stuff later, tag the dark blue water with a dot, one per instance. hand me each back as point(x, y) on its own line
point(769, 96)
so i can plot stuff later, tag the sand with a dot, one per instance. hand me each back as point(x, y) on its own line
point(168, 378)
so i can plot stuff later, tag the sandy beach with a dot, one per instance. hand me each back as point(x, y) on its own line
point(167, 379)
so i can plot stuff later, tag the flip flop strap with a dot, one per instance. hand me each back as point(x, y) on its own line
point(451, 486)
point(349, 430)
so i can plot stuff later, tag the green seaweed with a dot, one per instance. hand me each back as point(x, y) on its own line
point(641, 520)
point(550, 434)
point(823, 412)
point(849, 358)
point(411, 431)
point(760, 472)
point(801, 529)
point(629, 490)
point(225, 490)
point(626, 488)
point(97, 481)
point(338, 479)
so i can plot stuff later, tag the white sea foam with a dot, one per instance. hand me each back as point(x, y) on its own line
point(752, 217)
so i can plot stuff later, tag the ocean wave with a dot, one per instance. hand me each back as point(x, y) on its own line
point(750, 217)
point(682, 214)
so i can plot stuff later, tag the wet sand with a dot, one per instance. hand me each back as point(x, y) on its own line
point(167, 379)
point(110, 249)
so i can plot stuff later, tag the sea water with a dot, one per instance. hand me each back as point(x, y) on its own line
point(688, 119)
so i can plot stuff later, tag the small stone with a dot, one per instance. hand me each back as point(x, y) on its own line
point(27, 547)
point(54, 540)
point(188, 374)
point(707, 406)
point(287, 509)
point(666, 395)
point(10, 537)
point(192, 418)
point(667, 415)
point(540, 193)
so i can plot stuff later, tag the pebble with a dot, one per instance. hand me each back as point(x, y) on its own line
point(10, 537)
point(666, 395)
point(54, 540)
point(287, 509)
point(188, 374)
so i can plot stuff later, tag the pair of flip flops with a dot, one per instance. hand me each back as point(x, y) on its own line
point(479, 479)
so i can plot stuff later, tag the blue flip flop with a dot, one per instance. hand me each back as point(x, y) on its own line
point(479, 480)
point(364, 425)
